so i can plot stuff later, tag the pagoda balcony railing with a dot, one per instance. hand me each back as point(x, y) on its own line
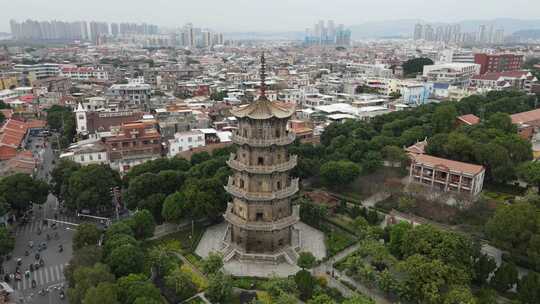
point(262, 196)
point(256, 142)
point(280, 224)
point(281, 167)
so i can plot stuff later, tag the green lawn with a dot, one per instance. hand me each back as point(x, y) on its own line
point(187, 242)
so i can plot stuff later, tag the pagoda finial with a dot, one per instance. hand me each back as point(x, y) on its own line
point(263, 77)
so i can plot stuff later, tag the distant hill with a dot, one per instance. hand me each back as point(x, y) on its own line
point(527, 34)
point(405, 27)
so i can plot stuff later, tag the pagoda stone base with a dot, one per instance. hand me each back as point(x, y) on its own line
point(278, 263)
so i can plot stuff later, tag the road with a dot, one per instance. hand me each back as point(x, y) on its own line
point(51, 275)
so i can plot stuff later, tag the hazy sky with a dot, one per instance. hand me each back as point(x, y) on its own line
point(257, 15)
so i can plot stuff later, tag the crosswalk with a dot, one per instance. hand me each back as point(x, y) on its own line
point(34, 226)
point(44, 276)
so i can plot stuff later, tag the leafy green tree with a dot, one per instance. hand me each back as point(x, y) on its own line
point(306, 260)
point(305, 283)
point(20, 191)
point(85, 278)
point(157, 166)
point(146, 300)
point(164, 257)
point(486, 296)
point(276, 286)
point(425, 279)
point(84, 257)
point(321, 299)
point(459, 295)
point(7, 241)
point(60, 175)
point(200, 157)
point(219, 288)
point(501, 121)
point(181, 283)
point(395, 154)
point(116, 241)
point(121, 227)
point(415, 65)
point(103, 293)
point(506, 276)
point(358, 300)
point(312, 214)
point(531, 173)
point(142, 223)
point(397, 233)
point(443, 118)
point(212, 264)
point(86, 235)
point(372, 161)
point(135, 286)
point(339, 173)
point(90, 188)
point(483, 267)
point(125, 259)
point(528, 288)
point(512, 226)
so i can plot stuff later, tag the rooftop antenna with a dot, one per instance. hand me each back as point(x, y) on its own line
point(263, 77)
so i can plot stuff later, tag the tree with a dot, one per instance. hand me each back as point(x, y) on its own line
point(20, 191)
point(90, 188)
point(126, 259)
point(84, 257)
point(306, 260)
point(505, 277)
point(486, 296)
point(358, 300)
point(7, 241)
point(397, 233)
point(531, 173)
point(339, 173)
point(86, 235)
point(443, 118)
point(483, 267)
point(200, 157)
point(372, 161)
point(305, 283)
point(212, 264)
point(61, 174)
point(395, 154)
point(512, 226)
point(142, 223)
point(117, 228)
point(163, 257)
point(219, 288)
point(321, 299)
point(528, 288)
point(415, 65)
point(103, 293)
point(146, 300)
point(135, 286)
point(85, 278)
point(117, 241)
point(459, 295)
point(181, 283)
point(501, 121)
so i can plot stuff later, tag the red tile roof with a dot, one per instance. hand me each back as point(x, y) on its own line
point(469, 119)
point(525, 117)
point(452, 165)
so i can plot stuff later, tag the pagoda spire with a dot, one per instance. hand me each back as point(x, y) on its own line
point(263, 77)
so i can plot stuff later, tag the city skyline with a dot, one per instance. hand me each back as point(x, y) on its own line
point(280, 15)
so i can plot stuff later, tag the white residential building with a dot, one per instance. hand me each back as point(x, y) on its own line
point(185, 141)
point(84, 73)
point(87, 153)
point(458, 74)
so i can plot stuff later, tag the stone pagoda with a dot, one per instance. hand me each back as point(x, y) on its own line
point(260, 216)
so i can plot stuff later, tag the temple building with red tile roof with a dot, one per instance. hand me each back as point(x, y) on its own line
point(446, 175)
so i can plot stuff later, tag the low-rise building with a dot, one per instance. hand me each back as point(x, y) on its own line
point(446, 175)
point(133, 144)
point(84, 73)
point(457, 74)
point(87, 153)
point(185, 141)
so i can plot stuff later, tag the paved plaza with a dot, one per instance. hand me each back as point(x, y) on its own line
point(312, 240)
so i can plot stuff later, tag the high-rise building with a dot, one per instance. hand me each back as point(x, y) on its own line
point(261, 215)
point(115, 29)
point(327, 35)
point(418, 32)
